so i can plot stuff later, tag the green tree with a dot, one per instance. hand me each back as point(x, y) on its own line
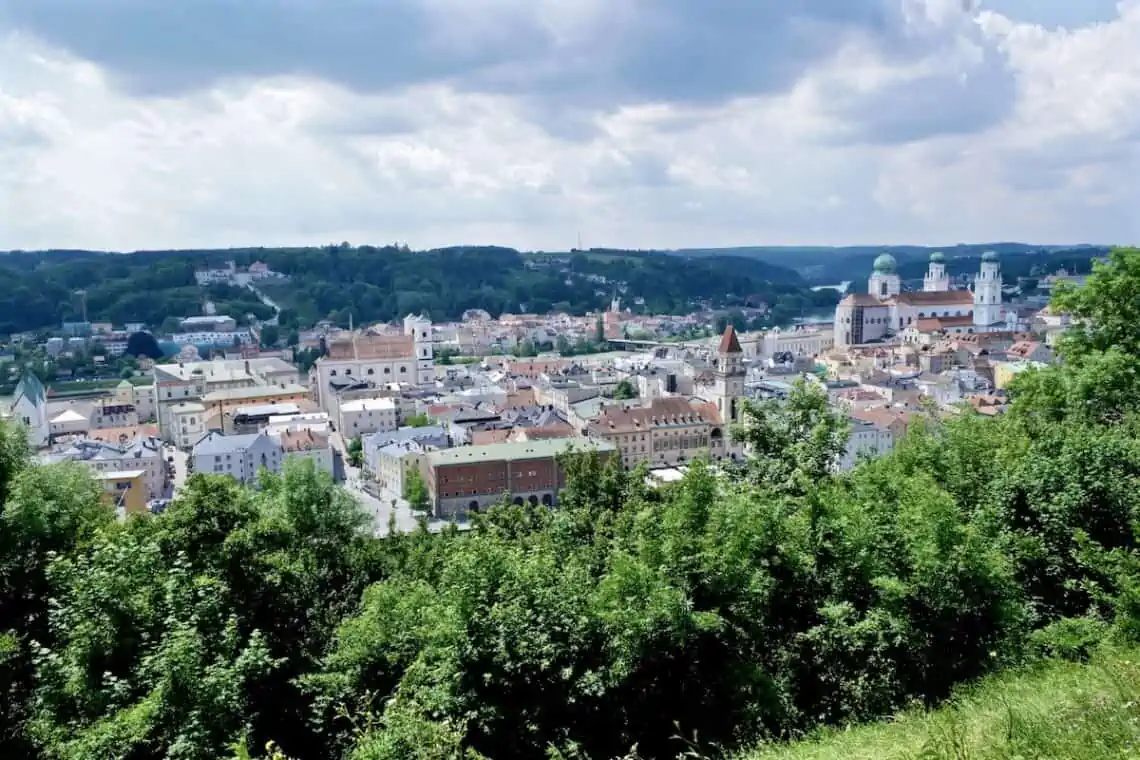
point(625, 390)
point(356, 452)
point(143, 344)
point(417, 421)
point(416, 491)
point(270, 336)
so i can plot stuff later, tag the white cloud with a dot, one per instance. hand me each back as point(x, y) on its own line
point(985, 128)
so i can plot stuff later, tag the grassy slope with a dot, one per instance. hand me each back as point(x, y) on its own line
point(1057, 711)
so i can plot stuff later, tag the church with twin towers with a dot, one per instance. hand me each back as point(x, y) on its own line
point(885, 311)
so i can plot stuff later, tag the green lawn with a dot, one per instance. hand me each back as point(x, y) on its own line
point(1057, 711)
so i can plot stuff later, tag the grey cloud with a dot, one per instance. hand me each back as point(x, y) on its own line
point(637, 50)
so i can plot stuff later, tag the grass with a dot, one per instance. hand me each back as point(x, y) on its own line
point(1058, 710)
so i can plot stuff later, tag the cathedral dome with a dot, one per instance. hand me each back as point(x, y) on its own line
point(938, 258)
point(990, 256)
point(885, 264)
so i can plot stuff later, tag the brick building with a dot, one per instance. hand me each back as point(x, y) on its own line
point(470, 478)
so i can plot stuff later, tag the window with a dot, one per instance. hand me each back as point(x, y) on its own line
point(371, 371)
point(403, 370)
point(332, 373)
point(387, 370)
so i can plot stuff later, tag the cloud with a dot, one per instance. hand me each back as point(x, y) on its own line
point(636, 124)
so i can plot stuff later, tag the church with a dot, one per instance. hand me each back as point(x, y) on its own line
point(884, 311)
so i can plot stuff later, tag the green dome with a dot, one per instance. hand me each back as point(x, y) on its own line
point(885, 264)
point(989, 256)
point(938, 257)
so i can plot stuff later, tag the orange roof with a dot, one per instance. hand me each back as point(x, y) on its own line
point(936, 298)
point(373, 347)
point(304, 440)
point(728, 342)
point(483, 437)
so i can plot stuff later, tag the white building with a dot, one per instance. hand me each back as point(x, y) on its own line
point(307, 444)
point(29, 408)
point(241, 457)
point(884, 311)
point(367, 415)
point(377, 360)
point(187, 423)
point(867, 440)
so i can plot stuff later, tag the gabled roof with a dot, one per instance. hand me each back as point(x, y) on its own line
point(30, 388)
point(936, 298)
point(729, 343)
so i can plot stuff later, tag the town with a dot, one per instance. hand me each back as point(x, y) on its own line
point(436, 422)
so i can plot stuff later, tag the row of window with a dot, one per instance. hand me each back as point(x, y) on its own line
point(371, 371)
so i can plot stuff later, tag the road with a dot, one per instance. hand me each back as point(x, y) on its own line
point(381, 510)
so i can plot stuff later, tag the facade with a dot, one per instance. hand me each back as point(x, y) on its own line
point(666, 432)
point(113, 415)
point(141, 397)
point(191, 381)
point(867, 440)
point(143, 454)
point(884, 311)
point(187, 424)
point(124, 490)
point(29, 408)
point(307, 444)
point(68, 422)
point(468, 479)
point(429, 438)
point(393, 463)
point(367, 416)
point(377, 359)
point(241, 457)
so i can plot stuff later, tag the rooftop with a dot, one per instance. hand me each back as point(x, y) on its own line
point(509, 452)
point(256, 391)
point(216, 443)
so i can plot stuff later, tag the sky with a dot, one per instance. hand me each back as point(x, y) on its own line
point(136, 124)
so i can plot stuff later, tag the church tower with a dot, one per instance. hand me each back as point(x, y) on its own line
point(987, 292)
point(729, 387)
point(936, 280)
point(884, 280)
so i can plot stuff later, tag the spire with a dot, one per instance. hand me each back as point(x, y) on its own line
point(728, 342)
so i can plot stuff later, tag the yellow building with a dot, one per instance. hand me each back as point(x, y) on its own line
point(1004, 372)
point(126, 489)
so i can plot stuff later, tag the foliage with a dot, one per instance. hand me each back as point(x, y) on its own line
point(369, 283)
point(417, 421)
point(704, 615)
point(625, 390)
point(143, 344)
point(416, 491)
point(355, 452)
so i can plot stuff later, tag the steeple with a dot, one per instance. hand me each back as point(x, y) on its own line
point(729, 375)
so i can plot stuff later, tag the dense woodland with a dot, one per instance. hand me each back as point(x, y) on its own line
point(720, 611)
point(375, 284)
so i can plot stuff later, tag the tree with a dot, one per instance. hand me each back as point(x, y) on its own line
point(270, 336)
point(625, 390)
point(415, 491)
point(356, 452)
point(417, 421)
point(143, 344)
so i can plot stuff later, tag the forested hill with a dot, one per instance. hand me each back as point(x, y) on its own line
point(381, 283)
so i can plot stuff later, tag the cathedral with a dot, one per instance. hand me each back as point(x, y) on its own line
point(885, 311)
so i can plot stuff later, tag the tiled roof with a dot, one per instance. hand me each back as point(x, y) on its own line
point(936, 298)
point(729, 344)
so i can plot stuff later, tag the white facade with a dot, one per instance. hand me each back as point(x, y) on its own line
point(866, 440)
point(367, 416)
point(937, 280)
point(187, 423)
point(29, 408)
point(144, 453)
point(987, 293)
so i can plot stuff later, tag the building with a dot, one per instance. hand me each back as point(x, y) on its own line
point(884, 311)
point(29, 408)
point(113, 415)
point(67, 422)
point(430, 437)
point(241, 457)
point(307, 444)
point(222, 405)
point(664, 433)
point(468, 479)
point(377, 360)
point(187, 423)
point(192, 380)
point(124, 490)
point(366, 416)
point(867, 440)
point(142, 454)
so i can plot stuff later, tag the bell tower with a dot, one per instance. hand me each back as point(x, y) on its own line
point(730, 374)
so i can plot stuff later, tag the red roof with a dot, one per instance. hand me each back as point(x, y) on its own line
point(728, 342)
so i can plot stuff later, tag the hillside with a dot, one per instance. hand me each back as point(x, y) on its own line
point(1060, 710)
point(375, 284)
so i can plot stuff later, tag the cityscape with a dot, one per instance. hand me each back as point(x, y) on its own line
point(549, 380)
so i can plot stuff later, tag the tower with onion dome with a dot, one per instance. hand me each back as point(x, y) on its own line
point(884, 281)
